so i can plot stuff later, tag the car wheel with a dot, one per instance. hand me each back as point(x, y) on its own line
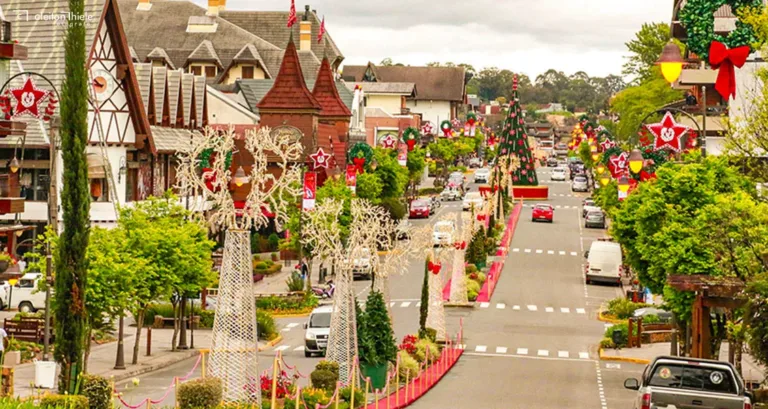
point(26, 307)
point(307, 354)
point(588, 281)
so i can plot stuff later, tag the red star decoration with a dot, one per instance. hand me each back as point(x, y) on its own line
point(607, 144)
point(619, 162)
point(668, 133)
point(320, 159)
point(28, 98)
point(388, 141)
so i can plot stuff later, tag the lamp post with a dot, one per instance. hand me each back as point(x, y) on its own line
point(671, 62)
point(636, 161)
point(605, 179)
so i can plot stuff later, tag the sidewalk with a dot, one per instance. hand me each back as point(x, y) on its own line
point(751, 370)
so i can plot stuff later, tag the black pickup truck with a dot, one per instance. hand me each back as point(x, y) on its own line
point(688, 383)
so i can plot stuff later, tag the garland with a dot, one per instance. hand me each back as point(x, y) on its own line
point(446, 127)
point(360, 150)
point(410, 137)
point(698, 18)
point(471, 118)
point(614, 151)
point(658, 158)
point(205, 159)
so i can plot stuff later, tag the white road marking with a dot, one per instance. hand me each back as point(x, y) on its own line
point(282, 348)
point(558, 207)
point(293, 325)
point(516, 308)
point(501, 350)
point(515, 250)
point(480, 348)
point(565, 310)
point(298, 349)
point(584, 355)
point(613, 366)
point(580, 311)
point(532, 308)
point(515, 356)
point(527, 250)
point(539, 251)
point(562, 253)
point(484, 305)
point(549, 309)
point(418, 304)
point(392, 304)
point(522, 351)
point(573, 253)
point(501, 306)
point(543, 352)
point(563, 354)
point(550, 252)
point(405, 304)
point(285, 329)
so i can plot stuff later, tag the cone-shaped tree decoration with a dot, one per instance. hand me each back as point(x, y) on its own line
point(342, 341)
point(459, 278)
point(515, 142)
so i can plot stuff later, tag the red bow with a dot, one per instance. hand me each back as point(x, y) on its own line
point(411, 143)
point(460, 245)
point(720, 57)
point(359, 163)
point(434, 268)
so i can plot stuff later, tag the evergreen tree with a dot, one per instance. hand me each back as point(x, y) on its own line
point(424, 308)
point(378, 328)
point(476, 250)
point(365, 350)
point(515, 142)
point(71, 266)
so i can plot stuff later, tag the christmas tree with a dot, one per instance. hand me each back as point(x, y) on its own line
point(515, 142)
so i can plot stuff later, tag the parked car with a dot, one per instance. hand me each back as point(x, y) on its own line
point(689, 383)
point(604, 262)
point(588, 206)
point(552, 162)
point(419, 208)
point(318, 327)
point(482, 175)
point(457, 179)
point(595, 218)
point(472, 198)
point(475, 163)
point(664, 316)
point(403, 230)
point(543, 212)
point(4, 289)
point(559, 174)
point(450, 194)
point(443, 232)
point(580, 184)
point(361, 264)
point(25, 295)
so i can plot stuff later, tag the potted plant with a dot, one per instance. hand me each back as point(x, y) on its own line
point(377, 346)
point(6, 261)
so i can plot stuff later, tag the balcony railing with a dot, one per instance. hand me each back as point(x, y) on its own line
point(10, 195)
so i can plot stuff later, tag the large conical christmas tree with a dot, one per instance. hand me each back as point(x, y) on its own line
point(515, 142)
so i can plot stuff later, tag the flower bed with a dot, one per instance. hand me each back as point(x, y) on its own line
point(290, 305)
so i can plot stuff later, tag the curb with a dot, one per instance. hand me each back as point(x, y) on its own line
point(302, 315)
point(182, 356)
point(602, 317)
point(469, 305)
point(622, 359)
point(272, 343)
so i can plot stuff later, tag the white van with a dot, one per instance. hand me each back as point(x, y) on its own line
point(26, 296)
point(317, 330)
point(604, 263)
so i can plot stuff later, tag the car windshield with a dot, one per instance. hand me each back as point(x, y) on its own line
point(543, 207)
point(580, 179)
point(700, 378)
point(589, 202)
point(473, 196)
point(559, 170)
point(420, 203)
point(443, 228)
point(595, 214)
point(320, 320)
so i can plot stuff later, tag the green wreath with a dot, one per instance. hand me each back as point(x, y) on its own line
point(411, 134)
point(698, 18)
point(659, 158)
point(361, 150)
point(471, 115)
point(446, 125)
point(604, 134)
point(615, 151)
point(205, 159)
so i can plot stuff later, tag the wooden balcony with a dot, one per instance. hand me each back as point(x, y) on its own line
point(10, 194)
point(9, 48)
point(8, 128)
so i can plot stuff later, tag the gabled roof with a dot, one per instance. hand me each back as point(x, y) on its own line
point(270, 25)
point(327, 95)
point(401, 88)
point(432, 83)
point(250, 55)
point(254, 91)
point(158, 54)
point(289, 91)
point(204, 52)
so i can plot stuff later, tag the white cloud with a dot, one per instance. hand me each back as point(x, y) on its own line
point(528, 36)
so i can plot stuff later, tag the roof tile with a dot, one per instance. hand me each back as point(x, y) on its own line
point(326, 93)
point(289, 91)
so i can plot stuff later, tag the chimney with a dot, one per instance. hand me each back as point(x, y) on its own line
point(144, 5)
point(305, 43)
point(214, 6)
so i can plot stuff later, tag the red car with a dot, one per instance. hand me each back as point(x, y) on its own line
point(419, 208)
point(543, 212)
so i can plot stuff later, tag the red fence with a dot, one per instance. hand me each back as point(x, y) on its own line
point(495, 272)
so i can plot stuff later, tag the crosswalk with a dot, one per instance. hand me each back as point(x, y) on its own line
point(547, 252)
point(533, 308)
point(556, 207)
point(541, 353)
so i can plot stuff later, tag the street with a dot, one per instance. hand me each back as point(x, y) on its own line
point(539, 334)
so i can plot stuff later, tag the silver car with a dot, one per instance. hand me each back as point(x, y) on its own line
point(595, 218)
point(580, 184)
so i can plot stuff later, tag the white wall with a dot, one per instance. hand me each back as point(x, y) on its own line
point(391, 104)
point(748, 86)
point(225, 109)
point(433, 111)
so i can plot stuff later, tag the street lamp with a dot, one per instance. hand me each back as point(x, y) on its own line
point(600, 169)
point(636, 161)
point(671, 62)
point(595, 156)
point(624, 184)
point(240, 177)
point(335, 172)
point(14, 165)
point(374, 165)
point(605, 179)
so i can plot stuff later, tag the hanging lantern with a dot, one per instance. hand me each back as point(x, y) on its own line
point(240, 177)
point(624, 184)
point(14, 165)
point(671, 62)
point(600, 169)
point(636, 161)
point(605, 179)
point(595, 156)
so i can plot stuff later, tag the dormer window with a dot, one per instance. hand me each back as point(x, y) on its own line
point(247, 72)
point(210, 71)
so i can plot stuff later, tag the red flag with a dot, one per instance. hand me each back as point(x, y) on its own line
point(322, 31)
point(292, 16)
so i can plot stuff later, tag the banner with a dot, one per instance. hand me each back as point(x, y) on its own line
point(310, 188)
point(402, 154)
point(352, 178)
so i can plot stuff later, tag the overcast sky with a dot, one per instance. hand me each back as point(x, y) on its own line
point(528, 36)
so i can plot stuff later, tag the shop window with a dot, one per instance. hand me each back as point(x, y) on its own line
point(35, 184)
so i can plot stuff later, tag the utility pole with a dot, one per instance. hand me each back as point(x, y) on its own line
point(53, 222)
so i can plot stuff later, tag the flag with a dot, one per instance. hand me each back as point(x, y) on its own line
point(310, 190)
point(322, 31)
point(292, 16)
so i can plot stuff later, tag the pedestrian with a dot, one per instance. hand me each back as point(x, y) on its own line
point(304, 268)
point(3, 342)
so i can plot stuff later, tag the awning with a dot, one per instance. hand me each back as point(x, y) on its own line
point(96, 166)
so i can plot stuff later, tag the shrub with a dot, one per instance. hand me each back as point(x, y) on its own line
point(430, 334)
point(28, 350)
point(346, 396)
point(607, 343)
point(470, 268)
point(275, 257)
point(651, 319)
point(396, 208)
point(294, 304)
point(313, 396)
point(206, 318)
point(623, 338)
point(64, 401)
point(274, 242)
point(323, 379)
point(261, 265)
point(200, 393)
point(161, 309)
point(408, 365)
point(622, 308)
point(472, 295)
point(294, 282)
point(427, 191)
point(481, 277)
point(421, 351)
point(328, 366)
point(98, 390)
point(473, 286)
point(265, 326)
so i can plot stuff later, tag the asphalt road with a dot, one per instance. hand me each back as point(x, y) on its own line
point(533, 346)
